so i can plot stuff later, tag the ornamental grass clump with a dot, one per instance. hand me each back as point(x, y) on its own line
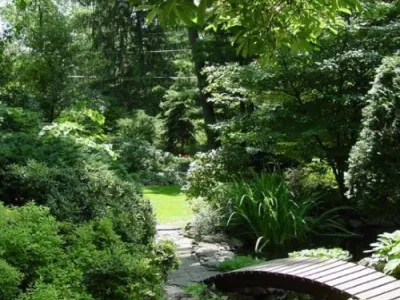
point(265, 212)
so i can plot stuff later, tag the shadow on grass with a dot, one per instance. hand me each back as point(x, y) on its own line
point(164, 190)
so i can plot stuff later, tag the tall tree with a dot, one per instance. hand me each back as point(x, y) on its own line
point(137, 54)
point(259, 25)
point(179, 109)
point(42, 43)
point(309, 105)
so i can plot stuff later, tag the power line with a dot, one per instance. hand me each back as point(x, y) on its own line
point(161, 51)
point(157, 77)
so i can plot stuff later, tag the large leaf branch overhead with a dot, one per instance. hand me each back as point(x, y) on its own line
point(257, 25)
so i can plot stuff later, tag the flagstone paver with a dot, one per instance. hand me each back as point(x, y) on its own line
point(190, 270)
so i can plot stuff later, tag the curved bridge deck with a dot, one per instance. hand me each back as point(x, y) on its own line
point(327, 278)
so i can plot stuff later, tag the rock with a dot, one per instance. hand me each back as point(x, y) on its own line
point(211, 263)
point(237, 244)
point(207, 249)
point(210, 254)
point(226, 254)
point(188, 231)
point(370, 262)
point(355, 224)
point(223, 239)
point(217, 238)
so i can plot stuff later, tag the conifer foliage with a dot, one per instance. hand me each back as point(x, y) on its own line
point(374, 160)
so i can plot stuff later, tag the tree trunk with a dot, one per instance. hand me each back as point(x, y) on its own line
point(207, 107)
point(337, 168)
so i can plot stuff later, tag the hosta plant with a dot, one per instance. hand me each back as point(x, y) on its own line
point(336, 253)
point(387, 250)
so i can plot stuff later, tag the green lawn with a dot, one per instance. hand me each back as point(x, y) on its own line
point(170, 204)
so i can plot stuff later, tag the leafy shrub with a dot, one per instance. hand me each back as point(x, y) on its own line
point(373, 163)
point(200, 291)
point(166, 258)
point(238, 262)
point(387, 250)
point(209, 170)
point(81, 194)
point(10, 279)
point(86, 128)
point(137, 155)
point(134, 140)
point(18, 148)
point(207, 219)
point(44, 259)
point(264, 211)
point(139, 127)
point(31, 242)
point(196, 289)
point(15, 119)
point(72, 173)
point(314, 176)
point(336, 253)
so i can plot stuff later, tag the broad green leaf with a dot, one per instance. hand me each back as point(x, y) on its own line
point(201, 12)
point(151, 15)
point(345, 10)
point(392, 266)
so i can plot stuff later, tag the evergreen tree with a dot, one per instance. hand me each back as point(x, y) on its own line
point(179, 108)
point(374, 160)
point(136, 53)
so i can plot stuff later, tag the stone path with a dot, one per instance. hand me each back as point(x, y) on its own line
point(190, 270)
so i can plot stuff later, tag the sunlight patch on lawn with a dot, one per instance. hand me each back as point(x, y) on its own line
point(169, 204)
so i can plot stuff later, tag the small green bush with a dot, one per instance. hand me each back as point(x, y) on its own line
point(166, 258)
point(336, 253)
point(387, 251)
point(139, 127)
point(238, 262)
point(207, 219)
point(315, 177)
point(208, 171)
point(200, 291)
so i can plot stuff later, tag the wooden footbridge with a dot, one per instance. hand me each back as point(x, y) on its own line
point(329, 279)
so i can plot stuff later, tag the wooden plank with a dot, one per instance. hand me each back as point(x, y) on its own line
point(266, 265)
point(321, 268)
point(364, 276)
point(370, 287)
point(351, 273)
point(306, 265)
point(295, 264)
point(376, 292)
point(324, 262)
point(284, 264)
point(336, 271)
point(393, 295)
